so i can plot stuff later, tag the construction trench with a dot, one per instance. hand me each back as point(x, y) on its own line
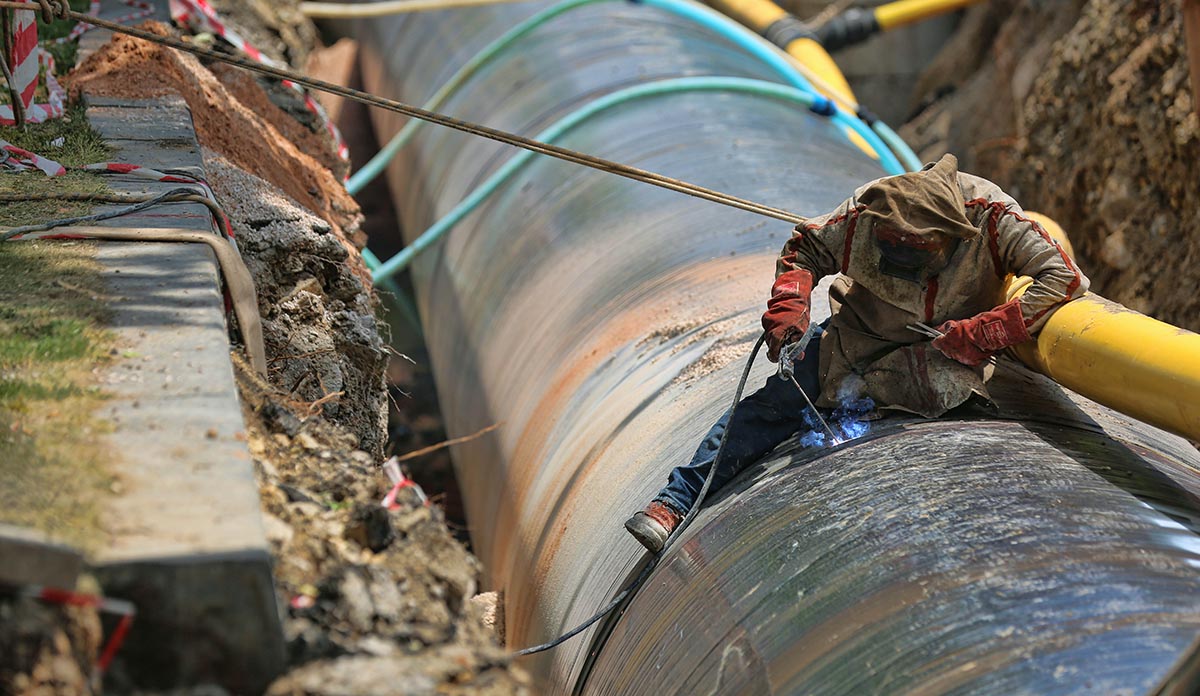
point(1050, 547)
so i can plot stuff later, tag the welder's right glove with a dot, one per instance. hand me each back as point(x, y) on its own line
point(974, 340)
point(786, 318)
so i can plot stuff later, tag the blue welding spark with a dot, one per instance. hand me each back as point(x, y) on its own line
point(846, 421)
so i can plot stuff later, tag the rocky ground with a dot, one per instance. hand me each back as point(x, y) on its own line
point(1082, 110)
point(379, 601)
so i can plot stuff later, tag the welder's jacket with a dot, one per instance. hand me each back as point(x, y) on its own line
point(867, 351)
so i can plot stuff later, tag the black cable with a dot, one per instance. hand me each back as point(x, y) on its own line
point(637, 582)
point(847, 29)
point(562, 153)
point(174, 195)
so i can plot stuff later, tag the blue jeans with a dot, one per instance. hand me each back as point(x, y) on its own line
point(761, 421)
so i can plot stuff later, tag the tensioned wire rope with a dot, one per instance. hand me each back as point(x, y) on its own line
point(582, 158)
point(710, 19)
point(875, 133)
point(661, 87)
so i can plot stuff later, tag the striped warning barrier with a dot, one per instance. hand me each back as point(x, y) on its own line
point(199, 16)
point(141, 9)
point(221, 222)
point(13, 157)
point(26, 60)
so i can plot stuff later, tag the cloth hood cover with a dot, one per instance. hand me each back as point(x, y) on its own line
point(920, 203)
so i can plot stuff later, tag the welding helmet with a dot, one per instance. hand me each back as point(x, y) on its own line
point(918, 219)
point(912, 257)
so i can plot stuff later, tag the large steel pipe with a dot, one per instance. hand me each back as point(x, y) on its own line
point(1050, 548)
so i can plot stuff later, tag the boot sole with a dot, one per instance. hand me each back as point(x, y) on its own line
point(649, 533)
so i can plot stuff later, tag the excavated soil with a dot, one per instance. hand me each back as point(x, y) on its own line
point(45, 648)
point(314, 290)
point(1084, 112)
point(378, 599)
point(322, 339)
point(132, 68)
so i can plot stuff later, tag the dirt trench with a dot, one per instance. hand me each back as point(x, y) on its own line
point(1084, 112)
point(375, 600)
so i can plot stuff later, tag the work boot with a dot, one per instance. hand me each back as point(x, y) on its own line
point(652, 526)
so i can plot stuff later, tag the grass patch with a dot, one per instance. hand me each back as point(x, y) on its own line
point(80, 145)
point(52, 465)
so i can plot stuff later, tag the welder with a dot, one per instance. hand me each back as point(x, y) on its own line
point(933, 248)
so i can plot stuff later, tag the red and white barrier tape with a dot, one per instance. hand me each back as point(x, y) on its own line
point(142, 9)
point(17, 158)
point(399, 482)
point(27, 57)
point(199, 16)
point(123, 608)
point(121, 168)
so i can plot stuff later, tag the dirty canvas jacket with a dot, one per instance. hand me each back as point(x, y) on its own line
point(867, 350)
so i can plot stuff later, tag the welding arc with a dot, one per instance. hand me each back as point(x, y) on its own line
point(562, 153)
point(632, 587)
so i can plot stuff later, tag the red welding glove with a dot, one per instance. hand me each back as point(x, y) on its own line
point(971, 341)
point(786, 317)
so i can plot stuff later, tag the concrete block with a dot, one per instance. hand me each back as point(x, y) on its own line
point(156, 155)
point(160, 120)
point(187, 543)
point(28, 558)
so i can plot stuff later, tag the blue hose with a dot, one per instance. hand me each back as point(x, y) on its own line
point(911, 162)
point(555, 131)
point(703, 16)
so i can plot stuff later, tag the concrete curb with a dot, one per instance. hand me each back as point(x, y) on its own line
point(187, 542)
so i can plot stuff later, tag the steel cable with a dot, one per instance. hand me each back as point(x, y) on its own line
point(562, 153)
point(632, 587)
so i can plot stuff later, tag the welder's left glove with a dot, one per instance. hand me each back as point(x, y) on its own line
point(787, 315)
point(972, 341)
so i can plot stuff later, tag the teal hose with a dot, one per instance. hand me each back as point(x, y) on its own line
point(400, 299)
point(375, 166)
point(684, 84)
point(707, 18)
point(909, 158)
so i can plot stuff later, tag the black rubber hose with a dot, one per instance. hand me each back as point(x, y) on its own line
point(850, 27)
point(637, 582)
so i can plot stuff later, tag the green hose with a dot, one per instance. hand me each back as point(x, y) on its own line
point(375, 166)
point(674, 86)
point(380, 161)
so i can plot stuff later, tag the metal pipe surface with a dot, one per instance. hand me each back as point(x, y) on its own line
point(1051, 548)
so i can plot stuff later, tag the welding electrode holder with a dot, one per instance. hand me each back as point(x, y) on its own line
point(794, 351)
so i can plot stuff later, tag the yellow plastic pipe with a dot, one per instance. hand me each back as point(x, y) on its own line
point(1123, 359)
point(812, 55)
point(901, 12)
point(759, 15)
point(756, 14)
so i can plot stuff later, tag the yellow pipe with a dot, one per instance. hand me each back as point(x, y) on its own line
point(759, 15)
point(812, 55)
point(1055, 230)
point(1123, 359)
point(901, 12)
point(756, 14)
